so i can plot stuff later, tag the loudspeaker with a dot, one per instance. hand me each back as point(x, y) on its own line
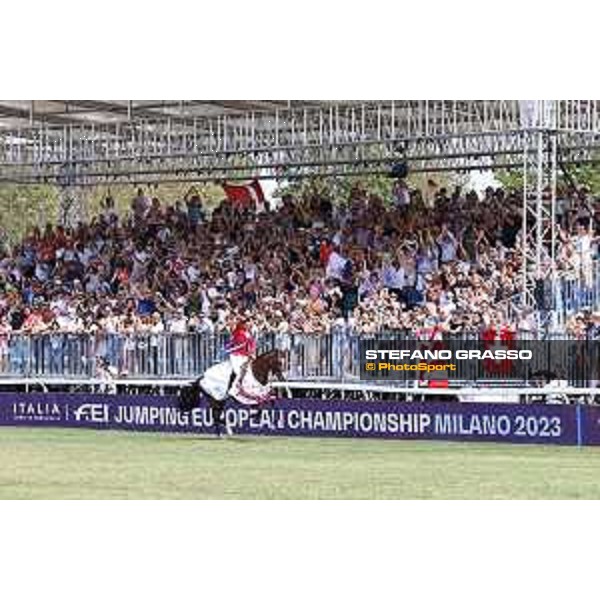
point(399, 170)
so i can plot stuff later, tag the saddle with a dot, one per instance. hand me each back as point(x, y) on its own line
point(245, 388)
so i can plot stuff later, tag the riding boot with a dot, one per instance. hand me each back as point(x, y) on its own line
point(230, 384)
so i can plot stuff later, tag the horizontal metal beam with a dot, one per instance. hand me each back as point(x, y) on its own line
point(431, 135)
point(98, 106)
point(23, 113)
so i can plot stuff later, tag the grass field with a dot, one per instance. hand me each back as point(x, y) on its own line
point(54, 463)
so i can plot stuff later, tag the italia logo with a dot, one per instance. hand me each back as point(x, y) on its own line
point(37, 411)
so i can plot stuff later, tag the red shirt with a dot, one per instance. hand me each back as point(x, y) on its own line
point(242, 343)
point(491, 337)
point(324, 253)
point(502, 333)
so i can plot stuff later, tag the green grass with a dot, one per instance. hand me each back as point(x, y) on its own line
point(55, 463)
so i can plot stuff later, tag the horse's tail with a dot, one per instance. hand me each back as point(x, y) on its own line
point(189, 396)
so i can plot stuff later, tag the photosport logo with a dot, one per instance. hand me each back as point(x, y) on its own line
point(92, 413)
point(537, 361)
point(38, 411)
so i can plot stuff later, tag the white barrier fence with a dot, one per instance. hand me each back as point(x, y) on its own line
point(334, 356)
point(552, 393)
point(324, 390)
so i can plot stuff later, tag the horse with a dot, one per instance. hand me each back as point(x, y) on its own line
point(218, 386)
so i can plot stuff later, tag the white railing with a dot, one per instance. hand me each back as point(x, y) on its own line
point(326, 357)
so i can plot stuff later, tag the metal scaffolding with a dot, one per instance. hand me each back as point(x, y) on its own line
point(539, 206)
point(152, 142)
point(295, 141)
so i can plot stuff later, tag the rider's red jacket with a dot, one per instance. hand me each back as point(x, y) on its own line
point(242, 343)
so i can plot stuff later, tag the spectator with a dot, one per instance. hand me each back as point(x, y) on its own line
point(309, 265)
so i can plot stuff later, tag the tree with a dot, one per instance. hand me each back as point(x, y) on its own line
point(168, 193)
point(587, 175)
point(338, 188)
point(23, 207)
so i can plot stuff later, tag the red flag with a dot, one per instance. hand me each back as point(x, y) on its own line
point(501, 338)
point(246, 194)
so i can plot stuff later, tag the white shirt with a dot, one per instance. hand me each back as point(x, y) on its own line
point(86, 255)
point(140, 256)
point(93, 283)
point(448, 248)
point(193, 273)
point(206, 325)
point(250, 271)
point(178, 325)
point(335, 266)
point(402, 196)
point(583, 244)
point(41, 272)
point(68, 255)
point(205, 302)
point(425, 262)
point(231, 279)
point(65, 322)
point(393, 278)
point(157, 327)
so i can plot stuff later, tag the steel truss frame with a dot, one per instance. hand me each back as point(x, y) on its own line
point(539, 231)
point(351, 138)
point(343, 138)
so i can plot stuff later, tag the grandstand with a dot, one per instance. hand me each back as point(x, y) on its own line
point(155, 292)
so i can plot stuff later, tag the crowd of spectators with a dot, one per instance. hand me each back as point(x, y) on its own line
point(418, 262)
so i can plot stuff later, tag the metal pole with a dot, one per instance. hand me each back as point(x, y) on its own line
point(553, 224)
point(524, 226)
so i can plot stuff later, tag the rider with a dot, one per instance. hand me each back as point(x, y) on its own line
point(242, 348)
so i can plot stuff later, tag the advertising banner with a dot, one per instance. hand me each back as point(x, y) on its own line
point(590, 425)
point(513, 423)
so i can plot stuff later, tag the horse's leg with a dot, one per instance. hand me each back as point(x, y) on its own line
point(216, 411)
point(223, 417)
point(219, 418)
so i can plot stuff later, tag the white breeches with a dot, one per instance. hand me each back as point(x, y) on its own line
point(237, 362)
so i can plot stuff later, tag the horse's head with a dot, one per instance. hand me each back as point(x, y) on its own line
point(271, 363)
